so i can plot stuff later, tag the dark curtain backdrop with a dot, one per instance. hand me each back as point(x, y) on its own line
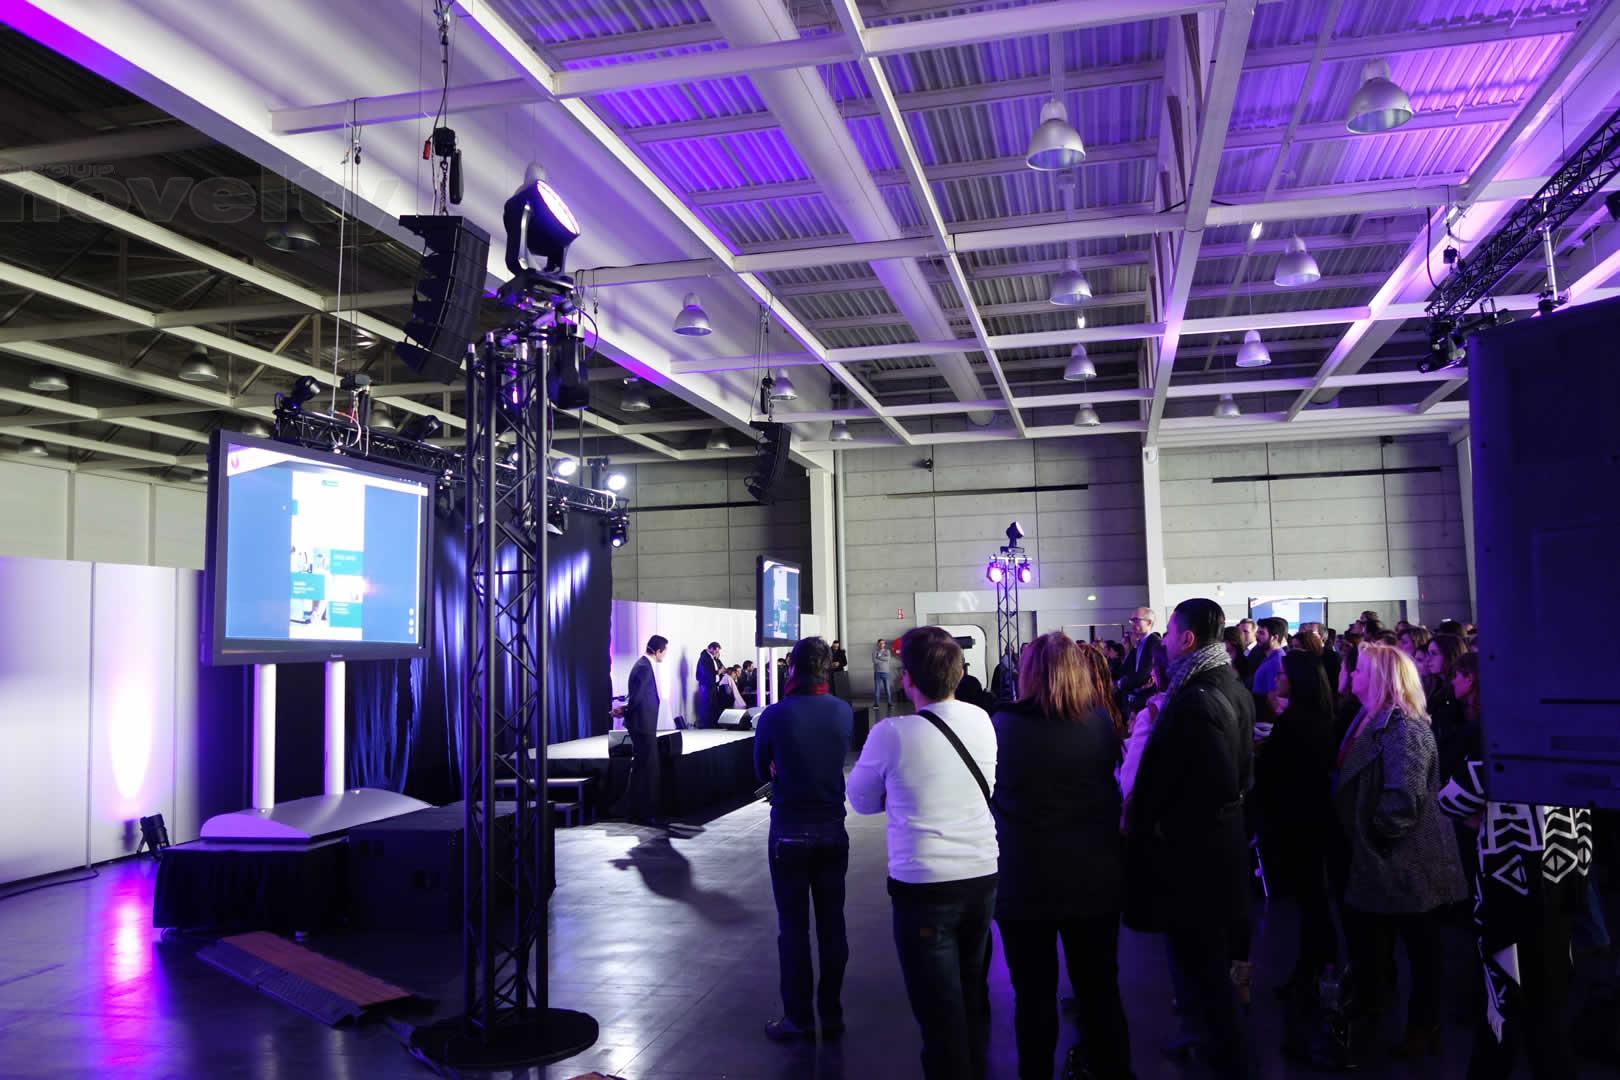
point(406, 726)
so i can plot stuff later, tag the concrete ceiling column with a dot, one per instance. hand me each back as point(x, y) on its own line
point(800, 103)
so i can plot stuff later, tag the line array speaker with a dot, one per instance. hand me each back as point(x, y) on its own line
point(770, 461)
point(444, 315)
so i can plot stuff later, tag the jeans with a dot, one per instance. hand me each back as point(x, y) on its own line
point(1091, 951)
point(1372, 962)
point(1204, 957)
point(881, 694)
point(944, 949)
point(808, 864)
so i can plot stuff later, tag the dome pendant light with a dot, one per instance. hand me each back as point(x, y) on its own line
point(47, 382)
point(1087, 417)
point(1227, 407)
point(1079, 367)
point(1070, 288)
point(717, 440)
point(383, 420)
point(33, 448)
point(693, 321)
point(782, 388)
point(634, 398)
point(1296, 267)
point(1055, 145)
point(1253, 352)
point(198, 368)
point(1380, 105)
point(839, 432)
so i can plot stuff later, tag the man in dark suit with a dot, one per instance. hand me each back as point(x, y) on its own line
point(709, 668)
point(1137, 667)
point(641, 721)
point(1187, 852)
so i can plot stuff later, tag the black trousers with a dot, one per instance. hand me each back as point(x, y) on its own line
point(1372, 940)
point(1204, 955)
point(944, 950)
point(1091, 954)
point(808, 864)
point(644, 801)
point(1536, 1010)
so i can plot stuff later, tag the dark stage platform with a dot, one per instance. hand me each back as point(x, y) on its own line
point(701, 769)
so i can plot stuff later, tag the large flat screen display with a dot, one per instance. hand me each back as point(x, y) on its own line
point(776, 614)
point(313, 556)
point(1295, 609)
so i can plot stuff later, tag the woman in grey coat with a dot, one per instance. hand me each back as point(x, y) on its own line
point(1404, 865)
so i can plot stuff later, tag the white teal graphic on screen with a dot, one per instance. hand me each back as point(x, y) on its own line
point(779, 601)
point(320, 553)
point(1295, 609)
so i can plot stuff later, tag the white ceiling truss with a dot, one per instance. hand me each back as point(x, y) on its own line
point(1231, 133)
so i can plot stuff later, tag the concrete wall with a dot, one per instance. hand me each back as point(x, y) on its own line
point(705, 557)
point(54, 513)
point(910, 530)
point(1321, 528)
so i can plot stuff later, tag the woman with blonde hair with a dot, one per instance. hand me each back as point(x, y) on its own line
point(1061, 870)
point(1403, 861)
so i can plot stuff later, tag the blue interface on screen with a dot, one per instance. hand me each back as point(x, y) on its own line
point(316, 553)
point(1295, 609)
point(780, 604)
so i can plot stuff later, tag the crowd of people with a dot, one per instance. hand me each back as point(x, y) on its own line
point(1153, 784)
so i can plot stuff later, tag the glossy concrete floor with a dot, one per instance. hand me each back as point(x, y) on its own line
point(667, 939)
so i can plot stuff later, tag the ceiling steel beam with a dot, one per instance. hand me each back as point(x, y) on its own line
point(115, 146)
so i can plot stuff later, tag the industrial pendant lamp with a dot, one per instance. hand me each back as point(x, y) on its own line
point(34, 448)
point(1055, 145)
point(198, 368)
point(693, 321)
point(1087, 417)
point(1296, 267)
point(47, 382)
point(382, 419)
point(1227, 407)
point(257, 429)
point(1380, 105)
point(782, 388)
point(1079, 367)
point(1253, 351)
point(1070, 288)
point(839, 432)
point(634, 398)
point(717, 440)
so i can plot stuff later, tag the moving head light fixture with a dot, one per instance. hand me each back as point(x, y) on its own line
point(538, 222)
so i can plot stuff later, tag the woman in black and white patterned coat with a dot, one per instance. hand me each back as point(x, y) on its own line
point(1533, 862)
point(1404, 865)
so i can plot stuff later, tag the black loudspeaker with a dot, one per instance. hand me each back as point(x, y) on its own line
point(1544, 406)
point(444, 315)
point(770, 461)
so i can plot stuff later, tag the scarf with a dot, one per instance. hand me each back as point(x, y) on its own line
point(1193, 663)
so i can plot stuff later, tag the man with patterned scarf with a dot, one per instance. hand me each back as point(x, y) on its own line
point(1187, 855)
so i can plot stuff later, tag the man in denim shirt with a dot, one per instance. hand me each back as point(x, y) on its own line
point(799, 747)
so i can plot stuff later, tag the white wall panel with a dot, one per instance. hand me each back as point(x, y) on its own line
point(112, 520)
point(132, 705)
point(34, 511)
point(179, 528)
point(186, 819)
point(44, 716)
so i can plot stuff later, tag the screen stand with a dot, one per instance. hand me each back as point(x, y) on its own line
point(336, 718)
point(264, 736)
point(762, 689)
point(776, 680)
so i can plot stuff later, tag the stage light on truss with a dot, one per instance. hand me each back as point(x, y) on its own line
point(1079, 367)
point(538, 222)
point(1026, 572)
point(565, 467)
point(617, 482)
point(618, 530)
point(1087, 417)
point(692, 321)
point(302, 392)
point(1380, 105)
point(557, 517)
point(1070, 288)
point(1015, 533)
point(1253, 352)
point(994, 572)
point(421, 428)
point(1296, 267)
point(1227, 407)
point(1055, 145)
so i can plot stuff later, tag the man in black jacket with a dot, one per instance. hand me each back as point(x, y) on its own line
point(1187, 855)
point(1137, 667)
point(640, 712)
point(799, 749)
point(708, 678)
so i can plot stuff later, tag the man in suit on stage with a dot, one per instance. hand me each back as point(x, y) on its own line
point(708, 678)
point(641, 721)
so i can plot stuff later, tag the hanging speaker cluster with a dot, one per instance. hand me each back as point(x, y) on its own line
point(770, 461)
point(444, 314)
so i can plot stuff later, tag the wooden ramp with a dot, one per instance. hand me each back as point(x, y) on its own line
point(329, 991)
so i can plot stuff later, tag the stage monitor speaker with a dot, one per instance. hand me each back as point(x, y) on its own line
point(444, 314)
point(1544, 408)
point(770, 461)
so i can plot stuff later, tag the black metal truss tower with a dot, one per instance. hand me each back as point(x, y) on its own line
point(1008, 637)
